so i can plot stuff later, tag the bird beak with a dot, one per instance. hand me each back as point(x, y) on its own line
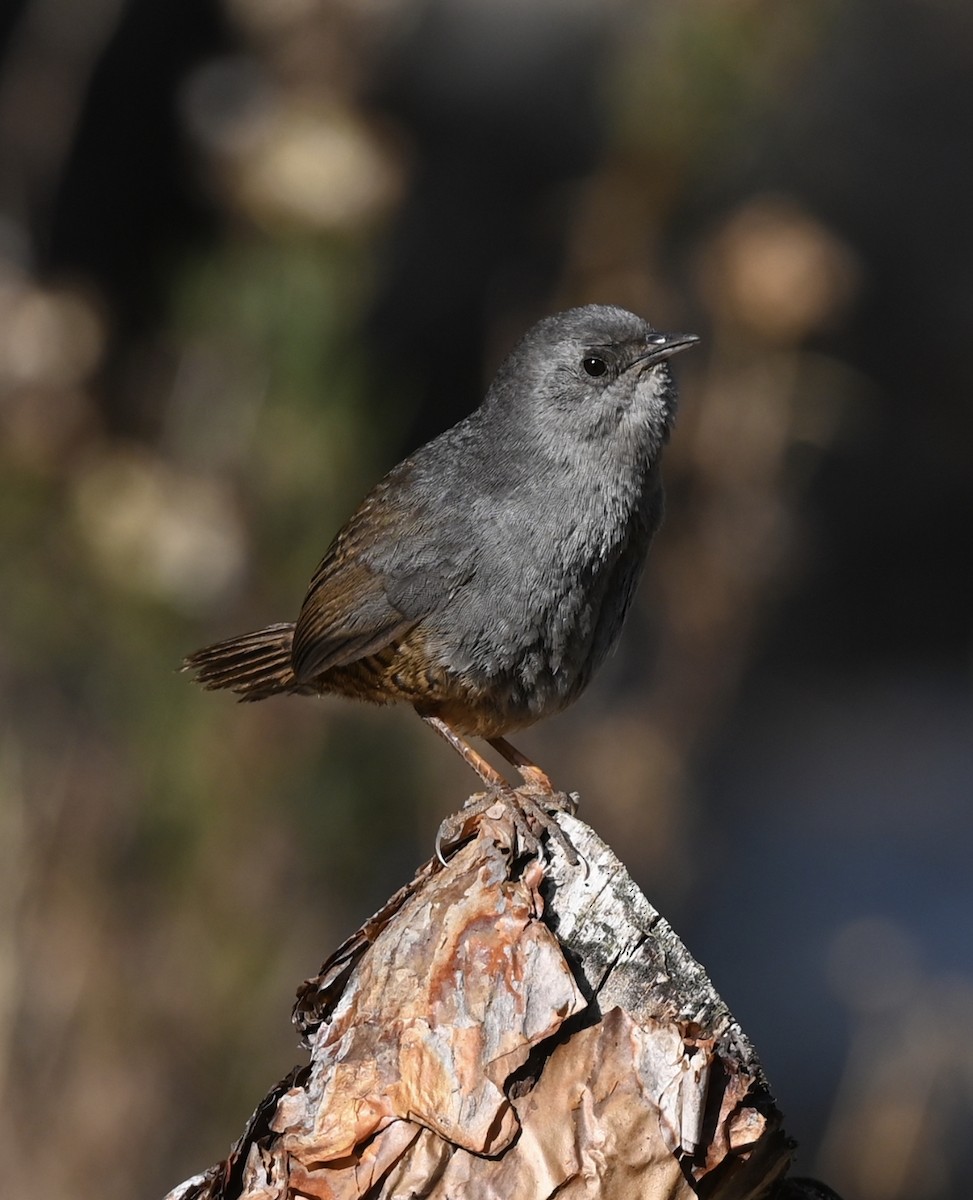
point(663, 346)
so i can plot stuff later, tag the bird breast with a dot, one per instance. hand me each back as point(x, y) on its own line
point(530, 635)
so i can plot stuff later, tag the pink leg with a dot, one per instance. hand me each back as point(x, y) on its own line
point(491, 777)
point(529, 771)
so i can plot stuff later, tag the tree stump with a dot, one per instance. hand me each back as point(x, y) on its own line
point(511, 1025)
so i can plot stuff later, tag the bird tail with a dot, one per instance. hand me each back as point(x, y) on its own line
point(254, 665)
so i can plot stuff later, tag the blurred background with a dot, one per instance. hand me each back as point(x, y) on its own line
point(250, 255)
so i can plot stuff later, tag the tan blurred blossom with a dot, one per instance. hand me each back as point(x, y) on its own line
point(51, 342)
point(287, 161)
point(159, 530)
point(48, 337)
point(778, 271)
point(317, 169)
point(257, 16)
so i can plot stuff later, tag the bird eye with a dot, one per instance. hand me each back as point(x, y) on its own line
point(594, 366)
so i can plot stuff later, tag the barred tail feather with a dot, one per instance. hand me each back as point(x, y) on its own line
point(254, 666)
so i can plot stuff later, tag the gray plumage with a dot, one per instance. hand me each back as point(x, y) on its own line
point(487, 575)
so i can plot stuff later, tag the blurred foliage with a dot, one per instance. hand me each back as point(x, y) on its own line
point(249, 255)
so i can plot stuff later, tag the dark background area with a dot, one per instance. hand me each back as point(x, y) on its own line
point(250, 255)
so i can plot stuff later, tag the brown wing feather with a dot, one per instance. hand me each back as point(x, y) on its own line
point(347, 614)
point(347, 617)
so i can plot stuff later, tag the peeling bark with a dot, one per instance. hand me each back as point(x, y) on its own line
point(511, 1026)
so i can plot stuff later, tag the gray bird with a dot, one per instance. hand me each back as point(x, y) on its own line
point(486, 576)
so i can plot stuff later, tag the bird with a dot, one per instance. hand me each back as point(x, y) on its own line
point(488, 574)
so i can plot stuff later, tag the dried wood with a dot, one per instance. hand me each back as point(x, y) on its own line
point(512, 1025)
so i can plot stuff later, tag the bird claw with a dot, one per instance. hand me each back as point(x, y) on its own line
point(529, 812)
point(535, 812)
point(462, 825)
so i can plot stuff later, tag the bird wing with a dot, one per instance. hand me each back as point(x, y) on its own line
point(380, 577)
point(346, 616)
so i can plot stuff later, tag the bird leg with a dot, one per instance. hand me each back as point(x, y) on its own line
point(532, 775)
point(525, 810)
point(490, 776)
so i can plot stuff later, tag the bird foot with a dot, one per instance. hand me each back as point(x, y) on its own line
point(530, 812)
